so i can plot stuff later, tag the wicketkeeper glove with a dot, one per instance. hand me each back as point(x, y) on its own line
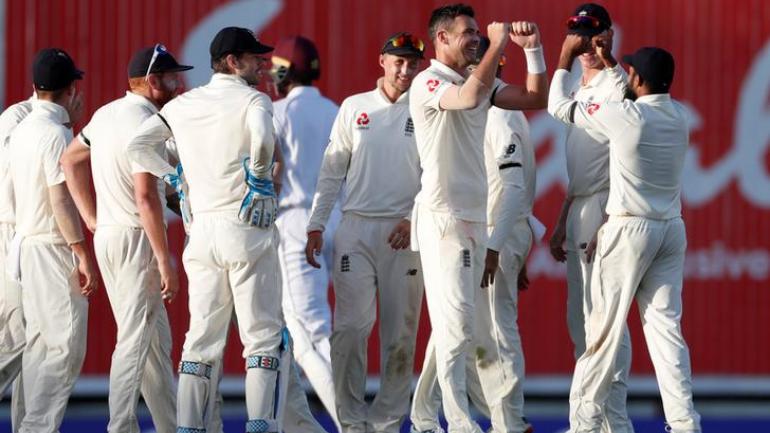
point(259, 206)
point(178, 182)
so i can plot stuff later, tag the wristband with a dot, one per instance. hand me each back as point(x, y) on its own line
point(535, 60)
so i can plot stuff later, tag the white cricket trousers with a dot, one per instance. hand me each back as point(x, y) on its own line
point(56, 315)
point(585, 216)
point(306, 302)
point(495, 373)
point(12, 338)
point(229, 265)
point(452, 254)
point(141, 361)
point(643, 259)
point(368, 272)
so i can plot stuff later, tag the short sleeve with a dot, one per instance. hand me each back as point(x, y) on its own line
point(52, 153)
point(428, 90)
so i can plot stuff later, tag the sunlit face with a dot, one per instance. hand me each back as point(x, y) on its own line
point(399, 70)
point(461, 40)
point(589, 60)
point(250, 67)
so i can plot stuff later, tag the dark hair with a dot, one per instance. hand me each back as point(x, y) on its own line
point(444, 16)
point(652, 87)
point(220, 65)
point(53, 95)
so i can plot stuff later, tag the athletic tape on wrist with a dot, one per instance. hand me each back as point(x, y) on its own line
point(535, 60)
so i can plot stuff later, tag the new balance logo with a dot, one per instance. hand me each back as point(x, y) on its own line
point(466, 258)
point(345, 263)
point(409, 128)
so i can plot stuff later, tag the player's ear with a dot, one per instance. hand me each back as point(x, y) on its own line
point(233, 63)
point(441, 37)
point(154, 81)
point(382, 60)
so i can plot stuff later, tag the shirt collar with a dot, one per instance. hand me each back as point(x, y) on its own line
point(403, 99)
point(52, 110)
point(298, 91)
point(218, 78)
point(436, 64)
point(656, 98)
point(141, 100)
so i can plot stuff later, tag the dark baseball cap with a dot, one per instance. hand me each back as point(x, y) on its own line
point(154, 60)
point(54, 69)
point(589, 19)
point(236, 40)
point(655, 66)
point(298, 55)
point(404, 44)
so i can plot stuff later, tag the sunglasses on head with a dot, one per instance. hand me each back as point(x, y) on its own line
point(157, 51)
point(406, 40)
point(583, 22)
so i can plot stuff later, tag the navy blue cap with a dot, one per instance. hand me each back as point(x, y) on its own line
point(655, 66)
point(53, 69)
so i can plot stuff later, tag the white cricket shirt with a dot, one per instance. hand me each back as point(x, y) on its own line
point(215, 126)
point(303, 121)
point(648, 140)
point(587, 151)
point(372, 151)
point(451, 146)
point(107, 134)
point(36, 147)
point(8, 122)
point(510, 162)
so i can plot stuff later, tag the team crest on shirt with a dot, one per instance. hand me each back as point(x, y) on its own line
point(593, 108)
point(362, 121)
point(432, 84)
point(409, 127)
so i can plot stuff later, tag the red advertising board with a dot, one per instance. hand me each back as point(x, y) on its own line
point(722, 49)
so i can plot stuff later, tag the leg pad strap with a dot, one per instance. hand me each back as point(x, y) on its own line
point(259, 361)
point(196, 369)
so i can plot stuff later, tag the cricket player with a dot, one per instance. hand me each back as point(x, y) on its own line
point(373, 139)
point(582, 213)
point(510, 165)
point(133, 276)
point(449, 109)
point(224, 138)
point(12, 339)
point(48, 253)
point(303, 120)
point(639, 251)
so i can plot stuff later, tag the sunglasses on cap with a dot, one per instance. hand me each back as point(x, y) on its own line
point(583, 22)
point(406, 40)
point(157, 51)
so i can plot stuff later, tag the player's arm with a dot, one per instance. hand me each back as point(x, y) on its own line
point(509, 163)
point(507, 147)
point(534, 94)
point(151, 215)
point(602, 117)
point(559, 235)
point(334, 169)
point(142, 149)
point(259, 119)
point(66, 214)
point(277, 168)
point(480, 83)
point(74, 162)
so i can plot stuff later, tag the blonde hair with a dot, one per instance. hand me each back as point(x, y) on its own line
point(138, 84)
